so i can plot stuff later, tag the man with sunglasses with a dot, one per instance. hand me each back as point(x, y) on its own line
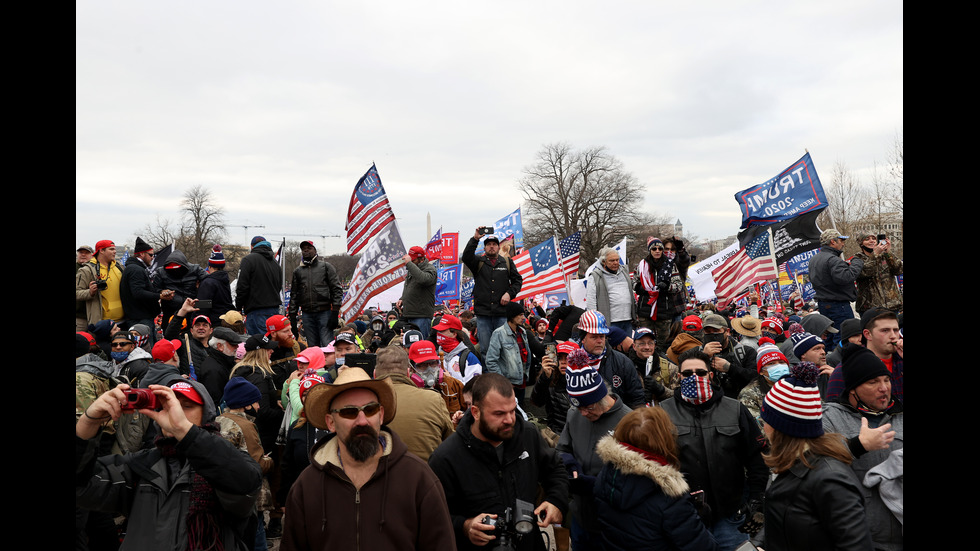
point(720, 447)
point(363, 489)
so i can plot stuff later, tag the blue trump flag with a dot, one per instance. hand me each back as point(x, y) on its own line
point(792, 192)
point(505, 227)
point(447, 284)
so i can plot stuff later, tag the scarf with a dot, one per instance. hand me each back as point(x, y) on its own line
point(650, 274)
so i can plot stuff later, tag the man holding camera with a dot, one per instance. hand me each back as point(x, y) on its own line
point(494, 460)
point(192, 490)
point(496, 282)
point(97, 295)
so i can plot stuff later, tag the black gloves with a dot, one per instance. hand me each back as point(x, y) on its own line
point(333, 323)
point(754, 517)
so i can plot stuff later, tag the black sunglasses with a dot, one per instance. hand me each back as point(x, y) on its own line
point(350, 412)
point(699, 372)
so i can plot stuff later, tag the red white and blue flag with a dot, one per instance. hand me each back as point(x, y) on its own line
point(368, 213)
point(541, 268)
point(570, 247)
point(378, 269)
point(433, 249)
point(753, 263)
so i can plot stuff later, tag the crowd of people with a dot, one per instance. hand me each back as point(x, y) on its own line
point(207, 419)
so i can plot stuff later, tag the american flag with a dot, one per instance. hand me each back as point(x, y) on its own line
point(378, 269)
point(541, 269)
point(570, 248)
point(752, 263)
point(368, 212)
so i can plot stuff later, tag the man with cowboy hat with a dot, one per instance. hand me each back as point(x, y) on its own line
point(363, 488)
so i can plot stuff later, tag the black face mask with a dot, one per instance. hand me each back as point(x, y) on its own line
point(714, 337)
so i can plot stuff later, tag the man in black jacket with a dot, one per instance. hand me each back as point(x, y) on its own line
point(259, 285)
point(496, 282)
point(833, 279)
point(141, 301)
point(720, 447)
point(494, 459)
point(315, 289)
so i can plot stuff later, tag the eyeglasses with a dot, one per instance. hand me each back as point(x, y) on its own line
point(656, 248)
point(350, 412)
point(590, 408)
point(699, 372)
point(121, 344)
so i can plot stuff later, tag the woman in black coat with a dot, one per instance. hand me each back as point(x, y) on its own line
point(816, 502)
point(642, 497)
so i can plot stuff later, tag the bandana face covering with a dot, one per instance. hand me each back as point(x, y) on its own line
point(119, 356)
point(695, 389)
point(446, 343)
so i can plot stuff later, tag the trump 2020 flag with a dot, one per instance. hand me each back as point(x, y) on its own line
point(541, 269)
point(378, 269)
point(447, 285)
point(753, 263)
point(433, 249)
point(368, 212)
point(792, 192)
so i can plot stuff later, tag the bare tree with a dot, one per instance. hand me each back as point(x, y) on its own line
point(847, 204)
point(203, 224)
point(566, 190)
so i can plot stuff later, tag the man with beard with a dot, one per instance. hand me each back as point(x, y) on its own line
point(316, 291)
point(192, 490)
point(363, 489)
point(881, 335)
point(494, 459)
point(870, 416)
point(283, 359)
point(876, 285)
point(720, 447)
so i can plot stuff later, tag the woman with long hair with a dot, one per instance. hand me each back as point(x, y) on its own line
point(815, 502)
point(641, 494)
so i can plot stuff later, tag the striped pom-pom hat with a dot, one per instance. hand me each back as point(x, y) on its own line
point(792, 405)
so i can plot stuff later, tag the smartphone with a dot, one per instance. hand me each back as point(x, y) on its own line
point(882, 238)
point(486, 230)
point(203, 304)
point(552, 351)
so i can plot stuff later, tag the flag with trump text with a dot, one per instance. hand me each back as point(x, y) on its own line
point(379, 268)
point(570, 247)
point(433, 249)
point(368, 213)
point(753, 263)
point(541, 268)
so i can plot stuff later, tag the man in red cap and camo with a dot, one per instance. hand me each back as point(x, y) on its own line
point(419, 297)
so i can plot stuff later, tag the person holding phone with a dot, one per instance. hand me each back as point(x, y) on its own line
point(876, 285)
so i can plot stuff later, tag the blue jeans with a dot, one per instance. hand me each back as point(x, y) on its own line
point(424, 325)
point(626, 326)
point(726, 533)
point(315, 327)
point(485, 326)
point(838, 312)
point(260, 542)
point(255, 320)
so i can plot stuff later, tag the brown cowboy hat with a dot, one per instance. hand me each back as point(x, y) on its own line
point(319, 398)
point(747, 325)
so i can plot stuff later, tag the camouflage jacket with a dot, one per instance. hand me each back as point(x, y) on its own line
point(876, 285)
point(752, 395)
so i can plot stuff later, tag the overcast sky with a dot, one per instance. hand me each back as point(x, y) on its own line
point(279, 108)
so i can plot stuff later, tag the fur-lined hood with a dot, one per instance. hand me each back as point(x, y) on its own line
point(628, 461)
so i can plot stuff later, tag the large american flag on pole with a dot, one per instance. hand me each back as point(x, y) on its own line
point(570, 248)
point(368, 212)
point(753, 263)
point(541, 268)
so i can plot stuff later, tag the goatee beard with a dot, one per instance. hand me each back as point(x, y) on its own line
point(362, 443)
